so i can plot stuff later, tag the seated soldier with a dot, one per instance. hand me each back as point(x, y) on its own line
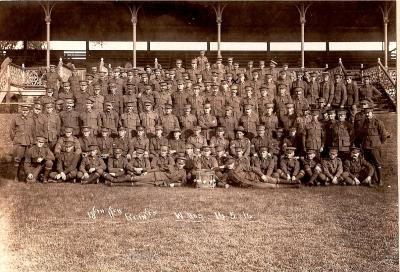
point(275, 145)
point(117, 167)
point(92, 167)
point(140, 164)
point(241, 159)
point(332, 168)
point(176, 144)
point(157, 141)
point(67, 137)
point(105, 144)
point(206, 161)
point(260, 140)
point(264, 165)
point(312, 168)
point(123, 141)
point(241, 141)
point(293, 139)
point(219, 140)
point(357, 170)
point(139, 141)
point(290, 167)
point(197, 140)
point(67, 164)
point(38, 158)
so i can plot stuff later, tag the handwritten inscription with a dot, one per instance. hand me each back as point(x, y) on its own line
point(182, 216)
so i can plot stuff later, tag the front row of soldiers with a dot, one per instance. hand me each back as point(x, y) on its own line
point(261, 162)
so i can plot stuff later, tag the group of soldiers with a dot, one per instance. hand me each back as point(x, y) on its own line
point(252, 127)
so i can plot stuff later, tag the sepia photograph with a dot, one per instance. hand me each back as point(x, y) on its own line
point(198, 136)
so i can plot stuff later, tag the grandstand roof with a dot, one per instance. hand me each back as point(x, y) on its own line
point(195, 21)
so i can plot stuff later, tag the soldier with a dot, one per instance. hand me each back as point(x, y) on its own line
point(290, 119)
point(352, 92)
point(37, 116)
point(176, 144)
point(130, 97)
point(59, 106)
point(48, 97)
point(129, 119)
point(266, 97)
point(67, 163)
point(70, 117)
point(367, 90)
point(89, 117)
point(149, 118)
point(146, 96)
point(332, 168)
point(262, 139)
point(206, 161)
point(264, 165)
point(108, 118)
point(140, 141)
point(207, 121)
point(342, 134)
point(269, 119)
point(299, 101)
point(219, 140)
point(283, 79)
point(299, 83)
point(105, 144)
point(179, 69)
point(339, 98)
point(187, 121)
point(68, 136)
point(326, 89)
point(162, 98)
point(49, 126)
point(202, 60)
point(92, 167)
point(275, 144)
point(168, 121)
point(114, 97)
point(179, 99)
point(196, 101)
point(52, 78)
point(249, 121)
point(157, 141)
point(216, 101)
point(38, 158)
point(255, 83)
point(86, 140)
point(358, 121)
point(293, 139)
point(272, 69)
point(193, 71)
point(241, 141)
point(66, 91)
point(123, 142)
point(249, 99)
point(117, 167)
point(22, 136)
point(241, 159)
point(229, 122)
point(140, 164)
point(207, 72)
point(314, 134)
point(289, 169)
point(270, 84)
point(81, 96)
point(374, 135)
point(234, 101)
point(357, 170)
point(312, 93)
point(281, 100)
point(312, 168)
point(229, 67)
point(197, 140)
point(98, 99)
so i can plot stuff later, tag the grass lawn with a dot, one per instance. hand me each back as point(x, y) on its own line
point(71, 227)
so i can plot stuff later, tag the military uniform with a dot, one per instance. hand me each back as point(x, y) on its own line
point(357, 168)
point(67, 163)
point(70, 118)
point(117, 167)
point(109, 119)
point(91, 168)
point(36, 159)
point(332, 168)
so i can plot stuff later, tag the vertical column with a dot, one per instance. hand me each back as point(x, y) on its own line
point(134, 12)
point(302, 11)
point(385, 9)
point(47, 8)
point(218, 13)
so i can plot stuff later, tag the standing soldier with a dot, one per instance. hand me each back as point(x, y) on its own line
point(123, 141)
point(202, 60)
point(168, 121)
point(179, 69)
point(339, 98)
point(130, 97)
point(81, 96)
point(50, 125)
point(300, 102)
point(157, 141)
point(49, 97)
point(281, 100)
point(249, 99)
point(70, 117)
point(114, 97)
point(352, 93)
point(37, 116)
point(67, 163)
point(65, 91)
point(314, 134)
point(229, 122)
point(187, 121)
point(179, 99)
point(108, 118)
point(22, 135)
point(129, 119)
point(53, 78)
point(312, 93)
point(89, 117)
point(216, 101)
point(249, 121)
point(266, 97)
point(326, 89)
point(207, 121)
point(342, 135)
point(299, 83)
point(149, 118)
point(162, 98)
point(374, 135)
point(367, 90)
point(38, 158)
point(98, 99)
point(196, 101)
point(269, 119)
point(92, 167)
point(86, 140)
point(234, 101)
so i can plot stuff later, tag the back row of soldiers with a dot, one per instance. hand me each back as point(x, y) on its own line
point(145, 127)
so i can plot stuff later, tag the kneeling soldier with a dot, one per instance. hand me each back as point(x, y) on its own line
point(312, 168)
point(37, 158)
point(67, 163)
point(92, 167)
point(332, 168)
point(357, 170)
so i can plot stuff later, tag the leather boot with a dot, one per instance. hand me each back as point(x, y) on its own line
point(46, 176)
point(379, 176)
